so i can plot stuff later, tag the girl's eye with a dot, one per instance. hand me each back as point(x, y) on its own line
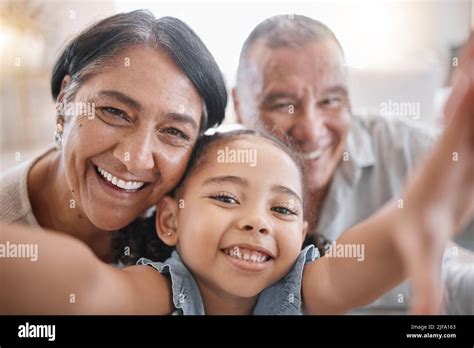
point(175, 132)
point(285, 210)
point(225, 198)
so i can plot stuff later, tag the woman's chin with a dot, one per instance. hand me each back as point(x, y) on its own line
point(110, 220)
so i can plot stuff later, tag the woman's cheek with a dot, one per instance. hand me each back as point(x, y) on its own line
point(172, 165)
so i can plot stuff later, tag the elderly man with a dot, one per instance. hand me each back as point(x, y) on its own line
point(292, 78)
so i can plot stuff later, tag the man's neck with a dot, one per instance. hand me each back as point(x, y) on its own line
point(55, 207)
point(315, 202)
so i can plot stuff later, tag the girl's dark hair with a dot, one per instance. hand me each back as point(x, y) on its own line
point(149, 245)
point(105, 39)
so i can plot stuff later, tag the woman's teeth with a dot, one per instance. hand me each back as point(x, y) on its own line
point(246, 255)
point(126, 185)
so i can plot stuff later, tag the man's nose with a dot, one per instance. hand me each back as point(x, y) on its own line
point(309, 125)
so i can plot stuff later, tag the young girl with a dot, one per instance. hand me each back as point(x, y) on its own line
point(236, 223)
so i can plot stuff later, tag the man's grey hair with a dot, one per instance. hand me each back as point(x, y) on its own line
point(284, 31)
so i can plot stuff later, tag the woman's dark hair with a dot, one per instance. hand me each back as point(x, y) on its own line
point(150, 246)
point(101, 42)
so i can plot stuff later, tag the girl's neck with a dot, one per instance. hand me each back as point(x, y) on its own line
point(55, 207)
point(217, 302)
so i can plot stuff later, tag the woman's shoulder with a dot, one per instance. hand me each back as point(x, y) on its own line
point(14, 201)
point(15, 204)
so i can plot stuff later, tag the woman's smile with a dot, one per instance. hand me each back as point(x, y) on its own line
point(117, 187)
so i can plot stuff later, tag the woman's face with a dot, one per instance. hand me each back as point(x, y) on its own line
point(240, 225)
point(132, 143)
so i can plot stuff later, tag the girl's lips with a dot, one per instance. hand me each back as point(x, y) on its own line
point(247, 266)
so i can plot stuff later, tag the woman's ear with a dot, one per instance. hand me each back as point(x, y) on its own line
point(167, 220)
point(305, 229)
point(66, 81)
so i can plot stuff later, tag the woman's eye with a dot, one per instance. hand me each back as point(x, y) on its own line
point(284, 211)
point(175, 132)
point(225, 198)
point(116, 112)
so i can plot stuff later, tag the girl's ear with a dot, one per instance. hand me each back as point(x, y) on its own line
point(167, 220)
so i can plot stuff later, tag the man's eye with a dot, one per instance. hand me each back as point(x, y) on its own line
point(175, 132)
point(225, 198)
point(332, 102)
point(289, 107)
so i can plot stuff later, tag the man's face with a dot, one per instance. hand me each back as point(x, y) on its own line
point(300, 92)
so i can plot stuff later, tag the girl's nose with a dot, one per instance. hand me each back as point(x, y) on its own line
point(255, 223)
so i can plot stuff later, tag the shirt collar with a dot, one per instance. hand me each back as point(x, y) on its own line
point(359, 151)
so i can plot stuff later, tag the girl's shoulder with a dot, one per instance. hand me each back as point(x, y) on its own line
point(185, 292)
point(285, 296)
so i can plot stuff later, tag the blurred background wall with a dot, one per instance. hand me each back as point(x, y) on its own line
point(397, 51)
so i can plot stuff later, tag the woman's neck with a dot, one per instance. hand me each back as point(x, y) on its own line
point(55, 208)
point(218, 302)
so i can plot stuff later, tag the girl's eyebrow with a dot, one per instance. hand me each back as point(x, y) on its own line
point(227, 178)
point(284, 189)
point(243, 182)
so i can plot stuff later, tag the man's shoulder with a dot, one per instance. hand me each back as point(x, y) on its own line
point(389, 135)
point(393, 128)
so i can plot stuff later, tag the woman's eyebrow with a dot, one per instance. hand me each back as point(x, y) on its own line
point(226, 179)
point(183, 118)
point(284, 189)
point(123, 98)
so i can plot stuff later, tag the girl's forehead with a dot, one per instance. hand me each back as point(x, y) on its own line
point(252, 155)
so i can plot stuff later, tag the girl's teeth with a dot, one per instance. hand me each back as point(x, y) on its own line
point(247, 255)
point(126, 185)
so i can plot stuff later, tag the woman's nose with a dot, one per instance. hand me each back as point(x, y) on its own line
point(136, 152)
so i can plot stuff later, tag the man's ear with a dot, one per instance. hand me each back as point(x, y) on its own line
point(167, 220)
point(236, 102)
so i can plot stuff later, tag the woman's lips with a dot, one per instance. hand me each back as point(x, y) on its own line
point(114, 189)
point(123, 184)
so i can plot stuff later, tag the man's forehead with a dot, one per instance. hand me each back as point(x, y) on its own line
point(316, 61)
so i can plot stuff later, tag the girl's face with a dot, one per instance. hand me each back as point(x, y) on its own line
point(239, 219)
point(122, 158)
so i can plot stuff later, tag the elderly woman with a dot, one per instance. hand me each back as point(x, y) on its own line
point(133, 94)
